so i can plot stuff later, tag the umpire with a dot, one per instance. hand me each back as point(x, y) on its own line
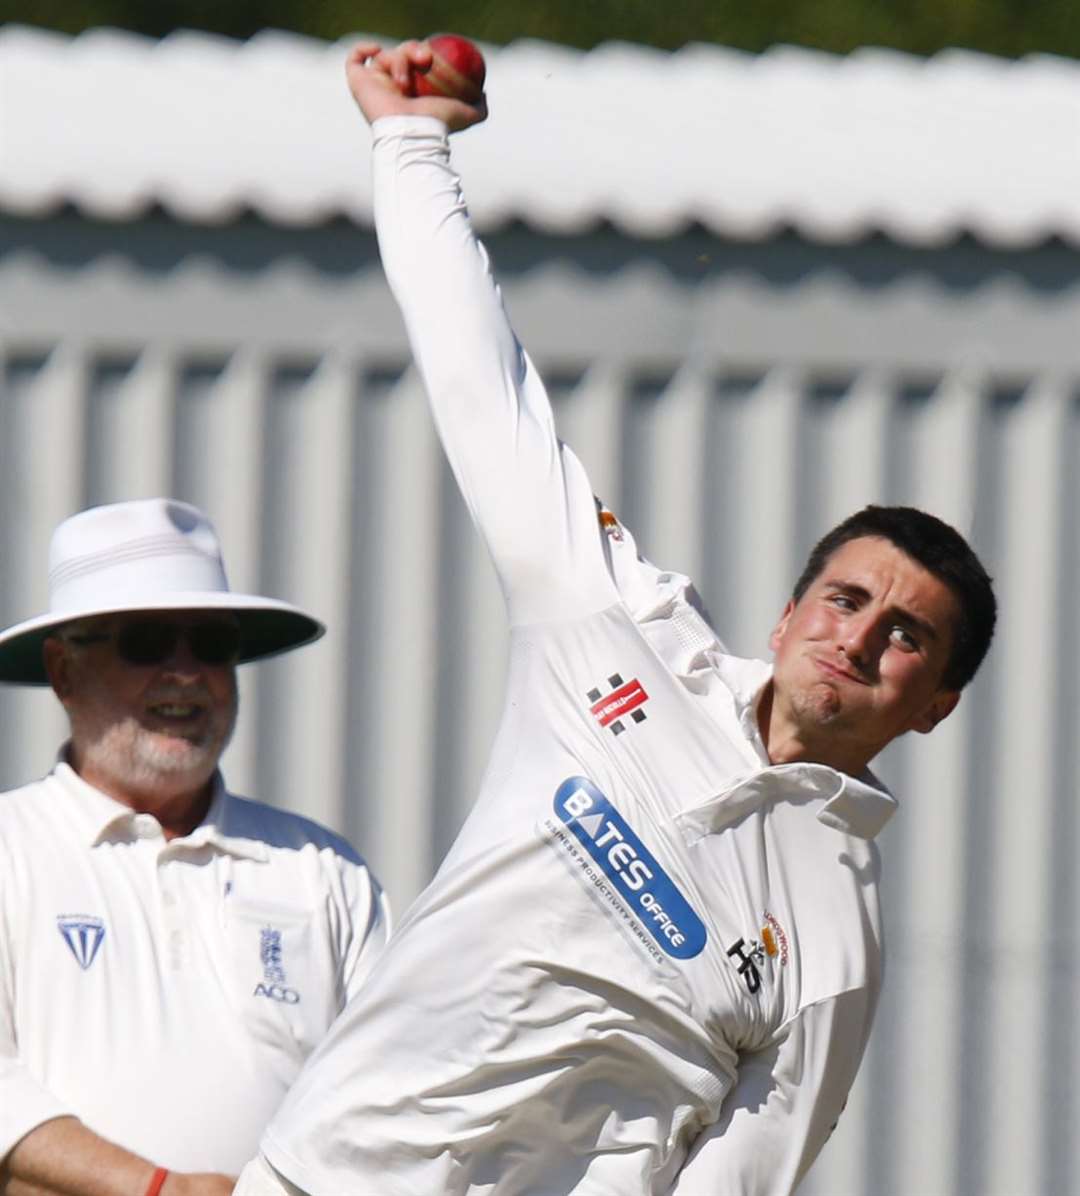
point(169, 953)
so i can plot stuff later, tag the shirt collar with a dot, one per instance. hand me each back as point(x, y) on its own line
point(218, 828)
point(100, 815)
point(105, 818)
point(858, 806)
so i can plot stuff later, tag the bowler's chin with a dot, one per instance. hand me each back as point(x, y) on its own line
point(818, 705)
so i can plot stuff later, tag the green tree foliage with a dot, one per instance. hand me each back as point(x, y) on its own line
point(1006, 27)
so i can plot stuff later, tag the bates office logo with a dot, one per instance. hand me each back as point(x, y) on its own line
point(83, 934)
point(632, 869)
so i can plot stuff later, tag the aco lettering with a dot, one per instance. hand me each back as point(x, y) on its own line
point(277, 992)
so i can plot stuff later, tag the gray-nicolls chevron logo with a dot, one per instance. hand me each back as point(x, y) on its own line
point(83, 934)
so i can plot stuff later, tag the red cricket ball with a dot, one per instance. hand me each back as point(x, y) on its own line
point(457, 69)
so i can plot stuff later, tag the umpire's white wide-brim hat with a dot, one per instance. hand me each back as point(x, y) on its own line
point(151, 555)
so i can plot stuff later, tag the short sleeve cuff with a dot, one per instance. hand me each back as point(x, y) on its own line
point(24, 1105)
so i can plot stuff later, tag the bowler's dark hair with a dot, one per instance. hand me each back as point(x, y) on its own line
point(942, 551)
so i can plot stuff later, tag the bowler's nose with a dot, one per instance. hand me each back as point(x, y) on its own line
point(860, 640)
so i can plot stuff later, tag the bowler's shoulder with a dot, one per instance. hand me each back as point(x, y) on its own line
point(250, 819)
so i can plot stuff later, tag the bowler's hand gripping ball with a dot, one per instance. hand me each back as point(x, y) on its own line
point(457, 69)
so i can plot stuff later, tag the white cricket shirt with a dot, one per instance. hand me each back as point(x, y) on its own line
point(167, 993)
point(650, 960)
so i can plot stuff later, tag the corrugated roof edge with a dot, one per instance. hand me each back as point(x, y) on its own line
point(838, 148)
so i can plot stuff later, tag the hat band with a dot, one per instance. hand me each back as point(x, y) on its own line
point(123, 573)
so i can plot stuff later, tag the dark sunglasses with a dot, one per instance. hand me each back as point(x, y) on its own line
point(151, 641)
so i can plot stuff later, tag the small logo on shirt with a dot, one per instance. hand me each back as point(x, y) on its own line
point(773, 939)
point(751, 958)
point(626, 698)
point(610, 525)
point(83, 934)
point(273, 983)
point(632, 869)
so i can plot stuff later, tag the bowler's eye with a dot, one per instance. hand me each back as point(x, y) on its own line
point(843, 601)
point(903, 639)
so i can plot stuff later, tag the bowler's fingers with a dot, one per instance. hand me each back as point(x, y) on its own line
point(368, 70)
point(399, 64)
point(381, 82)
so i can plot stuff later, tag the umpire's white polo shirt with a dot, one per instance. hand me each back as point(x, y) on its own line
point(167, 993)
point(649, 962)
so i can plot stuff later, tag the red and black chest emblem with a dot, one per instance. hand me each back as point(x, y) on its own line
point(626, 699)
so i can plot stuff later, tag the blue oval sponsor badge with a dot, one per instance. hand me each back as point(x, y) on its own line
point(631, 867)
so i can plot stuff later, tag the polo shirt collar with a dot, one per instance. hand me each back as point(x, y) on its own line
point(97, 813)
point(858, 806)
point(103, 817)
point(218, 828)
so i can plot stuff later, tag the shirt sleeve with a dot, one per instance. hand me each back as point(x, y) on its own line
point(370, 925)
point(24, 1103)
point(784, 1106)
point(527, 493)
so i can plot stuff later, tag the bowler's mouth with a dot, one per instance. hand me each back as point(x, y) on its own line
point(838, 672)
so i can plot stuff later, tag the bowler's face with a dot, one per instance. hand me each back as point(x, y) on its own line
point(860, 658)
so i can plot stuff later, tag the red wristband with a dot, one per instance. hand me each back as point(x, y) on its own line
point(157, 1181)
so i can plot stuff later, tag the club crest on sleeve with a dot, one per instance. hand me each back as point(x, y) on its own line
point(774, 939)
point(626, 699)
point(610, 525)
point(83, 934)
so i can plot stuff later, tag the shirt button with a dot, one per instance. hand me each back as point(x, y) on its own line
point(169, 899)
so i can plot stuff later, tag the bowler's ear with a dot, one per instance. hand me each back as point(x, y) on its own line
point(57, 666)
point(940, 708)
point(781, 627)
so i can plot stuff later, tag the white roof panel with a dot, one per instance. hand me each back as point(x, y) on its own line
point(834, 146)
